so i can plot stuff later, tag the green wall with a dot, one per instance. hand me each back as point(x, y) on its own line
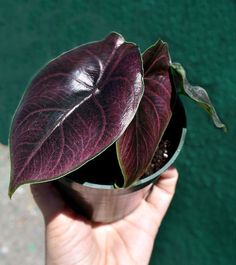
point(200, 227)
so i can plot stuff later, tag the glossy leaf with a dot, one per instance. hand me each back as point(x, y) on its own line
point(137, 145)
point(77, 106)
point(196, 93)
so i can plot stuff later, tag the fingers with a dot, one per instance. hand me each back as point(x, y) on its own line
point(163, 192)
point(48, 200)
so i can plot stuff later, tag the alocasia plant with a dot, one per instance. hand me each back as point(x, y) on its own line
point(91, 97)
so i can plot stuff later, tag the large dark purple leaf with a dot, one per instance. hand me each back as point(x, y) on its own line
point(196, 93)
point(77, 106)
point(139, 142)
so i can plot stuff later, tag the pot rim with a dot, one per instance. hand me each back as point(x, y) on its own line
point(142, 182)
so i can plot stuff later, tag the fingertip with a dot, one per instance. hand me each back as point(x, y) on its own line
point(171, 172)
point(168, 180)
point(163, 191)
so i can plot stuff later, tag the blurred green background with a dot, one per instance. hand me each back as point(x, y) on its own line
point(200, 227)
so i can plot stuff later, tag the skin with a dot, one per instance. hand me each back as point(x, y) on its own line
point(73, 240)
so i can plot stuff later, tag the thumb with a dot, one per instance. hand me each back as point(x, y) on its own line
point(163, 192)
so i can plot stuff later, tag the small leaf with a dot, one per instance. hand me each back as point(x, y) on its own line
point(77, 106)
point(137, 146)
point(196, 93)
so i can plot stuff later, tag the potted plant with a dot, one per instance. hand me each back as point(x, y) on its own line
point(102, 121)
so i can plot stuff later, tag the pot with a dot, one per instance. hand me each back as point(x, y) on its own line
point(104, 203)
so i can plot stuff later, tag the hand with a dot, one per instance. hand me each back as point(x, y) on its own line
point(71, 239)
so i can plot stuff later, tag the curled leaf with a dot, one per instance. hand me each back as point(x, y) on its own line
point(137, 146)
point(78, 105)
point(196, 93)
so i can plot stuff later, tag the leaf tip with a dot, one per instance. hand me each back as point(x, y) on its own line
point(223, 127)
point(12, 188)
point(11, 191)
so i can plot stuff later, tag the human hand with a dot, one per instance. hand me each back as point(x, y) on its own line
point(71, 239)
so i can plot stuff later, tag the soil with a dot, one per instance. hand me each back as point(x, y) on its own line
point(160, 158)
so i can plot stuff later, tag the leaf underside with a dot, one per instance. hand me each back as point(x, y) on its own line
point(74, 109)
point(137, 146)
